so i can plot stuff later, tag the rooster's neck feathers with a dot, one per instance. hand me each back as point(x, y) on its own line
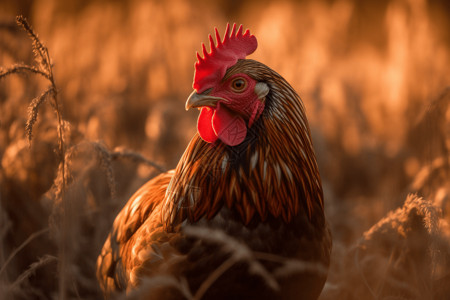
point(274, 171)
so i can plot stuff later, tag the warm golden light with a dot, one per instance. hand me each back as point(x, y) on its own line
point(374, 77)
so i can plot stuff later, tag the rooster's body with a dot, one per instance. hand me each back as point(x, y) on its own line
point(248, 181)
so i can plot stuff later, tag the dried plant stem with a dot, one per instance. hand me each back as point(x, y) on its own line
point(31, 270)
point(239, 252)
point(361, 273)
point(43, 61)
point(26, 242)
point(63, 241)
point(226, 265)
point(63, 247)
point(20, 68)
point(134, 156)
point(105, 159)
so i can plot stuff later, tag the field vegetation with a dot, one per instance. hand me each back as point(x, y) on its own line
point(92, 106)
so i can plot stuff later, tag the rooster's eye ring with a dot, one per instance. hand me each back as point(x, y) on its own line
point(238, 85)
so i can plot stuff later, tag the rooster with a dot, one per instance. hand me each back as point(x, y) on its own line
point(248, 180)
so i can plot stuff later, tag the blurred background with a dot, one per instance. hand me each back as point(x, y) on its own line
point(374, 77)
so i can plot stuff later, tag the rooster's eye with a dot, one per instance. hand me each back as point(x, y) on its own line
point(238, 85)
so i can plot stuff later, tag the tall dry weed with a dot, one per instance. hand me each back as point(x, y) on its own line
point(70, 207)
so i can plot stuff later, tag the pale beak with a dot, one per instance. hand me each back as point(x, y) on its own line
point(200, 100)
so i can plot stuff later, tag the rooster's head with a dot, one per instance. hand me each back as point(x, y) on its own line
point(229, 103)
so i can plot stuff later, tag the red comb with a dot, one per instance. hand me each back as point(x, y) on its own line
point(211, 68)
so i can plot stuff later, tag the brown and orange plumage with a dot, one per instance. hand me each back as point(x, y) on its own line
point(264, 192)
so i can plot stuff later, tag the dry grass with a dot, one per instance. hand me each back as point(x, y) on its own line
point(375, 82)
point(403, 256)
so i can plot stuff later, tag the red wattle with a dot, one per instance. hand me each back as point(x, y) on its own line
point(204, 125)
point(222, 123)
point(229, 127)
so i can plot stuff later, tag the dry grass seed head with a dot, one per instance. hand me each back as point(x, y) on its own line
point(41, 54)
point(397, 255)
point(33, 109)
point(77, 164)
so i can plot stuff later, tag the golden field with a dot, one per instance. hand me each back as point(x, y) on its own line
point(375, 80)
